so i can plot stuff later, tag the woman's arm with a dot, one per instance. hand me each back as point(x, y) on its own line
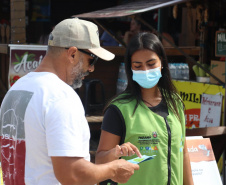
point(106, 148)
point(187, 176)
point(109, 149)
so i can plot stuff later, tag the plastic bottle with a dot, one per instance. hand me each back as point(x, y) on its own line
point(173, 69)
point(183, 71)
point(187, 71)
point(122, 79)
point(170, 69)
point(180, 71)
point(176, 71)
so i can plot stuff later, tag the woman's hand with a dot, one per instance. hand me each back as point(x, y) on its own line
point(110, 150)
point(126, 149)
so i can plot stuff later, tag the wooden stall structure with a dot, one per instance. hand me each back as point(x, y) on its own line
point(15, 33)
point(125, 10)
point(107, 72)
point(135, 8)
point(216, 134)
point(191, 53)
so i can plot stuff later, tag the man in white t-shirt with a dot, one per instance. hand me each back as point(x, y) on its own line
point(43, 116)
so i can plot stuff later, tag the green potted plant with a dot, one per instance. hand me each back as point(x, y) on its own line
point(201, 75)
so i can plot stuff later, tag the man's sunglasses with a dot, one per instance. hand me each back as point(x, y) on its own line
point(93, 61)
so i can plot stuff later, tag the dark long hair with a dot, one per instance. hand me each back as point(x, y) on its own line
point(169, 93)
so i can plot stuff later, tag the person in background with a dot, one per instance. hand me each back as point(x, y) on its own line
point(47, 28)
point(149, 114)
point(135, 27)
point(42, 113)
point(108, 40)
point(165, 43)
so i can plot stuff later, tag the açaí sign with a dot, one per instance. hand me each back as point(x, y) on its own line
point(24, 59)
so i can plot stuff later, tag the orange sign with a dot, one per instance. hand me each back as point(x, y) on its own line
point(200, 150)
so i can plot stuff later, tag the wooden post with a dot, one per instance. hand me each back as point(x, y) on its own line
point(18, 24)
point(224, 154)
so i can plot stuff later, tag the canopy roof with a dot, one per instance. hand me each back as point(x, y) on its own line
point(137, 7)
point(130, 8)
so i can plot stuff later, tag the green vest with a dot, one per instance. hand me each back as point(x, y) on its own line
point(148, 131)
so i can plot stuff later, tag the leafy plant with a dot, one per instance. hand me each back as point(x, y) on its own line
point(199, 72)
point(30, 57)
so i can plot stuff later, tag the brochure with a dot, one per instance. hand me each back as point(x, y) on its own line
point(139, 160)
point(203, 164)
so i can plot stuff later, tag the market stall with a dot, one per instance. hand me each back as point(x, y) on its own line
point(192, 54)
point(198, 95)
point(18, 59)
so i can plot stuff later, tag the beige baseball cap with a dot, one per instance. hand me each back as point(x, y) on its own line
point(81, 34)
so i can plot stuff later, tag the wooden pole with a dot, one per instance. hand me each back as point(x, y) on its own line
point(18, 24)
point(224, 154)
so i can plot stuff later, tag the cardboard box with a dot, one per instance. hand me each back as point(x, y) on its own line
point(218, 69)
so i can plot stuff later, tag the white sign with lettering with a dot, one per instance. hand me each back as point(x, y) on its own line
point(210, 113)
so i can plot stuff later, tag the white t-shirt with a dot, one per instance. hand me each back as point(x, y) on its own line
point(55, 125)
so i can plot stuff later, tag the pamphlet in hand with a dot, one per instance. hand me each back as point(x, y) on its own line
point(139, 160)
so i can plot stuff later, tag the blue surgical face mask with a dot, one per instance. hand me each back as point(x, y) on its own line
point(147, 79)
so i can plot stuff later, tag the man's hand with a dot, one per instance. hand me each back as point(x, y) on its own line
point(124, 170)
point(126, 149)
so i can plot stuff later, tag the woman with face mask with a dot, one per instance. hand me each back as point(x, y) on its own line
point(147, 119)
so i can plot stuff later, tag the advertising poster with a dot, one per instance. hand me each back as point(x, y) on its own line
point(40, 10)
point(191, 94)
point(203, 164)
point(24, 59)
point(210, 110)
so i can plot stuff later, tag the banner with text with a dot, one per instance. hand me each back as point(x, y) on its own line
point(191, 94)
point(210, 110)
point(24, 59)
point(203, 164)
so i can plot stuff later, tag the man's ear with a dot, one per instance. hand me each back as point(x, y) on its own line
point(71, 53)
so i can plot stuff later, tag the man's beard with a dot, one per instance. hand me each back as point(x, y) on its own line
point(78, 72)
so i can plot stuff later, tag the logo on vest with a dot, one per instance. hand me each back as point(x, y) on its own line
point(154, 134)
point(149, 139)
point(144, 138)
point(148, 148)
